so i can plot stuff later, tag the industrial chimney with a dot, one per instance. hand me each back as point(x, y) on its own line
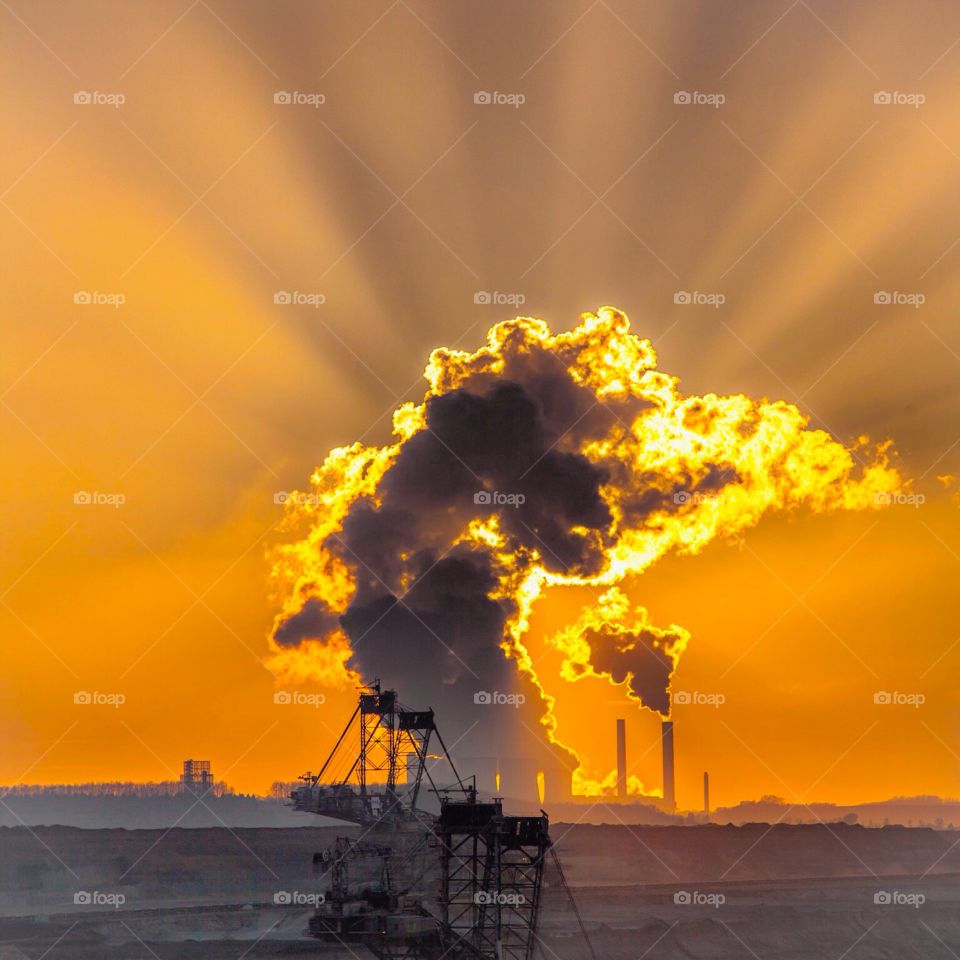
point(706, 793)
point(622, 759)
point(669, 797)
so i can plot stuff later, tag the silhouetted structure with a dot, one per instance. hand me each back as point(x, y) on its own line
point(622, 759)
point(196, 776)
point(491, 864)
point(669, 796)
point(382, 780)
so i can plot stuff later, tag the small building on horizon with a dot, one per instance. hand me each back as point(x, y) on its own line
point(196, 776)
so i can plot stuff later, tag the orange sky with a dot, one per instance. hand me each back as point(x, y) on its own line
point(799, 199)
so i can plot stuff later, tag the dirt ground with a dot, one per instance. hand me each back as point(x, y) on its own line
point(799, 892)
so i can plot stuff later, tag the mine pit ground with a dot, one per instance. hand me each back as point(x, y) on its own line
point(790, 892)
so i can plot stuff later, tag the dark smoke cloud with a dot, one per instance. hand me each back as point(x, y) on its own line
point(422, 617)
point(500, 441)
point(313, 620)
point(634, 657)
point(422, 610)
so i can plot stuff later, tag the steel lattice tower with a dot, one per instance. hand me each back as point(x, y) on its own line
point(491, 876)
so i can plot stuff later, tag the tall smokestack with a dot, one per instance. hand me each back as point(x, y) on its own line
point(706, 793)
point(669, 797)
point(622, 759)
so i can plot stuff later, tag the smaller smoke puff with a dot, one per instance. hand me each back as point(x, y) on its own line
point(612, 642)
point(405, 565)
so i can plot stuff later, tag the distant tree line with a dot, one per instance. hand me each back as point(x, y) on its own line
point(163, 788)
point(280, 789)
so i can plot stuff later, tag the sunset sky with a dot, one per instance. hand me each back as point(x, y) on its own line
point(804, 202)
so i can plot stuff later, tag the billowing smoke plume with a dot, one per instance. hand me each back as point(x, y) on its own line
point(605, 641)
point(537, 461)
